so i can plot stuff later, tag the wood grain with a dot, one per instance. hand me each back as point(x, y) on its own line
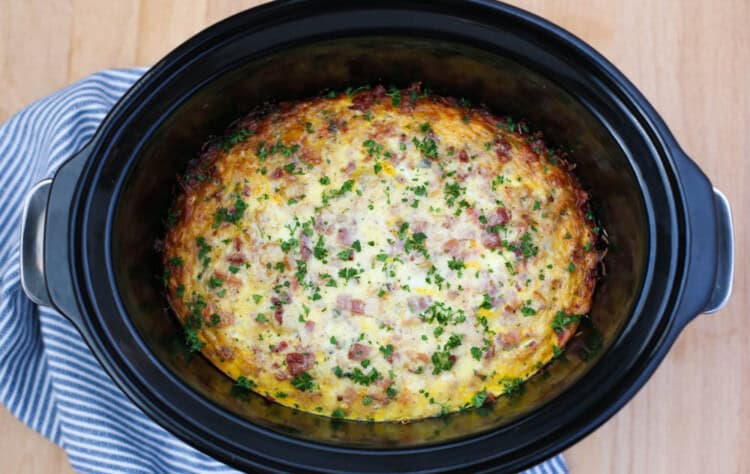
point(691, 58)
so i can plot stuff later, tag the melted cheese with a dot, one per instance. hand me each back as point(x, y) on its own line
point(373, 258)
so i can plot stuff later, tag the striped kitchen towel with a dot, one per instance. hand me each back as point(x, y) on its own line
point(48, 377)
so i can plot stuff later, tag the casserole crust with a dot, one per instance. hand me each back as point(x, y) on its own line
point(380, 254)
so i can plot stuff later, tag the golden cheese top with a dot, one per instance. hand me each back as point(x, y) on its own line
point(380, 255)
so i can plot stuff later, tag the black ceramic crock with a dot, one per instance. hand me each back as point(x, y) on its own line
point(89, 234)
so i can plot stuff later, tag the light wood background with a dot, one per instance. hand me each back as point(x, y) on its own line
point(691, 58)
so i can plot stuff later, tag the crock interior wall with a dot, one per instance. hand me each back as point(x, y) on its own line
point(504, 85)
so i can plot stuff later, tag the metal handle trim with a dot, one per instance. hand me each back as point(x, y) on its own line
point(33, 219)
point(725, 264)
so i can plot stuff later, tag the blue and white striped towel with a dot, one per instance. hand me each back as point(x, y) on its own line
point(48, 377)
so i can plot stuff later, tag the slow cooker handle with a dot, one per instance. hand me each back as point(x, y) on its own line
point(725, 263)
point(710, 258)
point(32, 243)
point(46, 276)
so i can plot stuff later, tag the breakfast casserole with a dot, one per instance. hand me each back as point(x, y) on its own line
point(380, 254)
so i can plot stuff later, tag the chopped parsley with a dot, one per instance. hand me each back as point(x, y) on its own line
point(416, 242)
point(215, 282)
point(235, 138)
point(194, 322)
point(442, 314)
point(233, 215)
point(528, 249)
point(456, 264)
point(512, 388)
point(386, 350)
point(345, 254)
point(395, 95)
point(304, 382)
point(287, 245)
point(203, 247)
point(453, 341)
point(359, 377)
point(486, 302)
point(562, 319)
point(334, 193)
point(476, 353)
point(427, 146)
point(442, 361)
point(479, 399)
point(557, 352)
point(319, 251)
point(348, 273)
point(373, 148)
point(245, 383)
point(452, 192)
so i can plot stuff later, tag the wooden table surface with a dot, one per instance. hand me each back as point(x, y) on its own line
point(691, 58)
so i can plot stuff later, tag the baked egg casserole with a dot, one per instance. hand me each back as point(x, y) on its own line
point(380, 254)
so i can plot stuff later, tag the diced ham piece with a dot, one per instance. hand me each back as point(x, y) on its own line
point(277, 173)
point(298, 362)
point(417, 304)
point(347, 303)
point(310, 326)
point(509, 339)
point(345, 236)
point(564, 335)
point(463, 156)
point(344, 302)
point(452, 247)
point(225, 353)
point(582, 199)
point(278, 315)
point(501, 216)
point(490, 287)
point(280, 375)
point(502, 150)
point(422, 357)
point(362, 101)
point(226, 319)
point(358, 306)
point(280, 346)
point(418, 226)
point(491, 241)
point(278, 312)
point(304, 252)
point(358, 352)
point(236, 258)
point(490, 353)
point(229, 279)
